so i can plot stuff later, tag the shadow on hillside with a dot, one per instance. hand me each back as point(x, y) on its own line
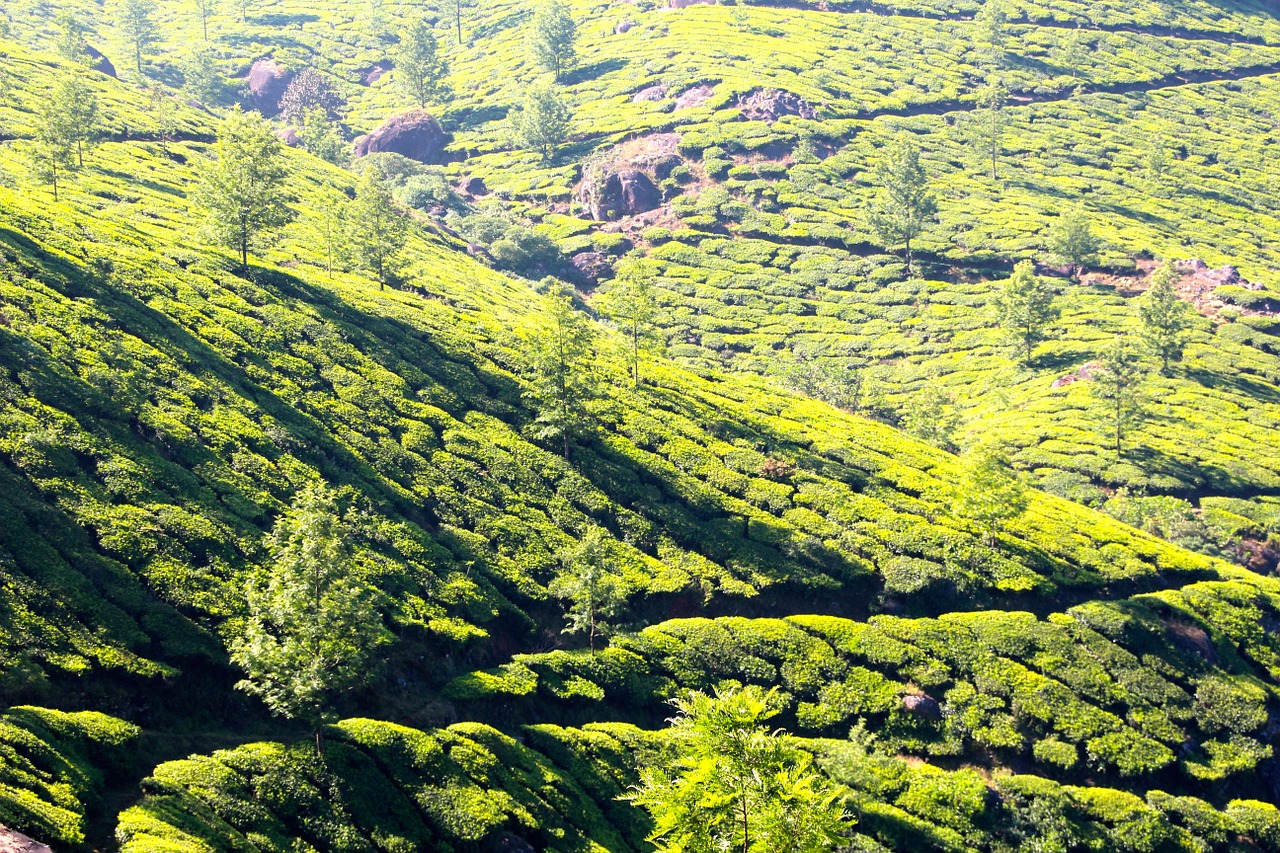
point(583, 73)
point(472, 117)
point(132, 179)
point(1249, 387)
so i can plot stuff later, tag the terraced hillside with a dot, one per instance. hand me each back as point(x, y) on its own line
point(1062, 679)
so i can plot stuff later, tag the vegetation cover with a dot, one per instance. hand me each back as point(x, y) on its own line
point(887, 392)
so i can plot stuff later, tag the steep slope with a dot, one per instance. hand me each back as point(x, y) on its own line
point(161, 410)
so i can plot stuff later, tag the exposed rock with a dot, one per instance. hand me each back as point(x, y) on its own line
point(414, 134)
point(772, 104)
point(16, 842)
point(624, 27)
point(609, 193)
point(1192, 640)
point(473, 186)
point(1087, 371)
point(267, 83)
point(375, 72)
point(650, 93)
point(684, 4)
point(289, 136)
point(593, 266)
point(922, 705)
point(98, 62)
point(695, 97)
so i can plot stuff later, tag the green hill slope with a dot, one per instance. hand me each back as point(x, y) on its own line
point(161, 408)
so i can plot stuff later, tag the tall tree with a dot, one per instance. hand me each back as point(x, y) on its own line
point(1026, 308)
point(77, 103)
point(1072, 241)
point(1119, 387)
point(323, 137)
point(420, 70)
point(991, 493)
point(561, 353)
point(312, 627)
point(595, 594)
point(989, 122)
point(457, 9)
point(54, 147)
point(200, 75)
point(1164, 317)
point(242, 190)
point(543, 122)
point(1071, 53)
point(928, 414)
point(905, 205)
point(162, 113)
point(630, 302)
point(133, 17)
point(992, 20)
point(205, 8)
point(377, 226)
point(551, 41)
point(72, 45)
point(734, 785)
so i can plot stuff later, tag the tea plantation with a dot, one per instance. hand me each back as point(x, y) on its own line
point(781, 475)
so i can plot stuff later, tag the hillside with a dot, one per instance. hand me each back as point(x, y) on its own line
point(163, 408)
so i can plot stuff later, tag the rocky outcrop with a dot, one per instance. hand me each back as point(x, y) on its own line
point(592, 266)
point(624, 27)
point(414, 134)
point(1087, 371)
point(922, 706)
point(16, 842)
point(769, 105)
point(695, 97)
point(375, 72)
point(684, 4)
point(611, 194)
point(650, 93)
point(289, 136)
point(266, 85)
point(98, 62)
point(473, 187)
point(624, 182)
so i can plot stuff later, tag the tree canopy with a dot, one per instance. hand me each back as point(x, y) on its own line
point(242, 190)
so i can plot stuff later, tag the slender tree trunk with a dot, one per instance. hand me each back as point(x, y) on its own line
point(635, 354)
point(1119, 398)
point(457, 17)
point(204, 22)
point(908, 254)
point(80, 152)
point(54, 172)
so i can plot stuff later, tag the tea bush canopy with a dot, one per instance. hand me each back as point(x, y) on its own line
point(807, 364)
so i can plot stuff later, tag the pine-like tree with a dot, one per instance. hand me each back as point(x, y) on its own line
point(1119, 387)
point(376, 227)
point(1164, 317)
point(312, 627)
point(991, 493)
point(564, 381)
point(76, 102)
point(1072, 241)
point(543, 122)
point(133, 17)
point(205, 8)
point(629, 301)
point(420, 70)
point(737, 786)
point(552, 40)
point(594, 593)
point(905, 206)
point(242, 190)
point(1026, 308)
